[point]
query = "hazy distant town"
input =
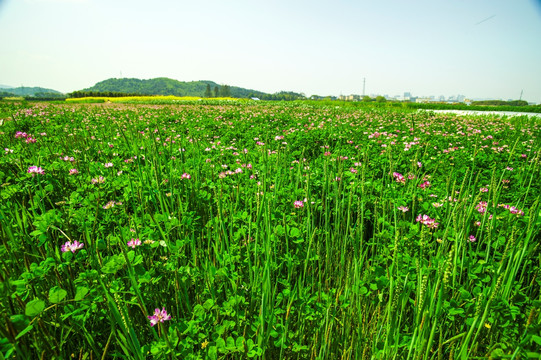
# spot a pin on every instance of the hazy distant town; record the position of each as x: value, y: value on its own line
x: 409, y: 97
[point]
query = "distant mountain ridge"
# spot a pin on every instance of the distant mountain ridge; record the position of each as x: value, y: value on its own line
x: 29, y: 91
x: 166, y: 86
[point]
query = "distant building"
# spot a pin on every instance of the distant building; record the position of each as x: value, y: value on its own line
x: 349, y: 97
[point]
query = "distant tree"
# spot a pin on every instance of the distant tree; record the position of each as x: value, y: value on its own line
x: 216, y: 91
x: 367, y: 98
x: 225, y: 91
x: 380, y: 99
x: 208, y: 92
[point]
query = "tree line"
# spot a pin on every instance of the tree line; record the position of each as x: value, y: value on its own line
x: 82, y: 94
x: 218, y: 91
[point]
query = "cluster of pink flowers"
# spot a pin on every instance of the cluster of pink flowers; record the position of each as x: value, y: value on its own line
x: 399, y: 178
x: 223, y: 174
x: 28, y: 137
x: 426, y: 220
x: 36, y: 170
x: 108, y: 165
x: 424, y: 185
x: 20, y: 134
x: 512, y: 209
x: 99, y: 180
x: 403, y: 208
x: 74, y: 171
x: 159, y: 317
x: 111, y: 204
x: 68, y: 158
x: 73, y: 247
x: 186, y: 176
x: 472, y: 238
x: 298, y: 204
x: 134, y: 242
x: 481, y: 207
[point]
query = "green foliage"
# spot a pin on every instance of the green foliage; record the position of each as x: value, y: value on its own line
x: 501, y: 102
x: 275, y: 230
x: 165, y: 86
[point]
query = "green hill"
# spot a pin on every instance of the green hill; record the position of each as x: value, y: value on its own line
x: 32, y: 91
x: 166, y: 86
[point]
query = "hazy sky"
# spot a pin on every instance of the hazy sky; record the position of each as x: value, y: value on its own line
x: 479, y: 48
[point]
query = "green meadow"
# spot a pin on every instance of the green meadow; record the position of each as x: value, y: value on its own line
x: 261, y: 230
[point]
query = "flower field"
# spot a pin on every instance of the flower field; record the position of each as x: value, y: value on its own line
x: 235, y: 230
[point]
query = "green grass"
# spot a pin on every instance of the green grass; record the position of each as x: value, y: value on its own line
x: 210, y: 190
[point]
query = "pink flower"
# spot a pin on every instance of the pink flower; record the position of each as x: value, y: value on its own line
x: 403, y: 208
x: 35, y: 170
x: 482, y: 207
x: 186, y: 176
x: 514, y: 210
x: 99, y: 180
x: 399, y: 178
x: 109, y: 205
x: 298, y: 204
x: 159, y: 317
x: 483, y: 189
x: 426, y: 220
x: 108, y: 165
x: 68, y: 246
x: 74, y: 171
x: 134, y: 242
x: 472, y: 238
x: 424, y: 185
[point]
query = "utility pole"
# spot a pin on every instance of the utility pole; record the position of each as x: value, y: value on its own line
x: 364, y: 85
x: 521, y: 92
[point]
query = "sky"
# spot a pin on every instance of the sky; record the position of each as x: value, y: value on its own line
x: 477, y: 48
